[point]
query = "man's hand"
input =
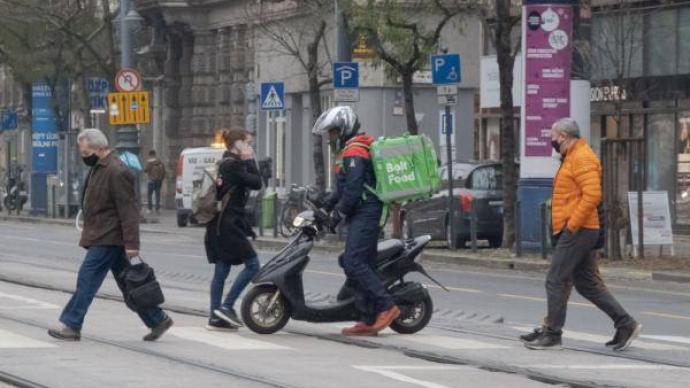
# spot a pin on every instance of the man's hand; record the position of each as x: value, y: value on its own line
x: 334, y: 219
x: 132, y: 253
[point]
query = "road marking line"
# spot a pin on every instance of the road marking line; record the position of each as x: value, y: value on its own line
x: 601, y: 339
x: 536, y: 299
x: 41, y: 240
x: 662, y: 315
x: 34, y: 303
x: 604, y: 367
x: 454, y: 343
x: 229, y: 341
x: 9, y: 340
x: 668, y: 338
x: 390, y: 373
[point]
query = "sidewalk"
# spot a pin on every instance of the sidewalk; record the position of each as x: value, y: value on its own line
x: 676, y: 269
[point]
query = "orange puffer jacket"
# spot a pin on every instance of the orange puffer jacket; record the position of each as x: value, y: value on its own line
x: 577, y: 190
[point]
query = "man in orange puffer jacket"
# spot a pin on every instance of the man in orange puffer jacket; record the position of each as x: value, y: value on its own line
x: 575, y: 222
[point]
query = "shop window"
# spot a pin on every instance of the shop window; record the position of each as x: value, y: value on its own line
x: 617, y: 45
x: 684, y: 41
x: 683, y: 170
x: 660, y: 145
x: 660, y: 42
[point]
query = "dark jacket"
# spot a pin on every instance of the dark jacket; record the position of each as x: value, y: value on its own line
x: 155, y: 169
x: 109, y: 206
x: 227, y: 238
x: 354, y: 171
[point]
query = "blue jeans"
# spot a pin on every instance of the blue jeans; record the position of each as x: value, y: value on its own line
x: 155, y: 192
x: 220, y: 274
x: 98, y: 261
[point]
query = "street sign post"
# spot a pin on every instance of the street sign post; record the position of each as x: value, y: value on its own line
x: 127, y: 80
x: 446, y: 74
x: 9, y: 120
x: 129, y: 108
x: 272, y: 96
x: 346, y: 81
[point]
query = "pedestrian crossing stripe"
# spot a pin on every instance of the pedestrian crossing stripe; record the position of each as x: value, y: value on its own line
x: 272, y: 100
x: 453, y: 343
x: 10, y: 340
x: 228, y: 341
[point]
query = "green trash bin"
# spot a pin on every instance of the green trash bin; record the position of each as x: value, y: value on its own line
x: 267, y: 210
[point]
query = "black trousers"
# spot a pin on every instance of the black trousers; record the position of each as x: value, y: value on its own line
x: 574, y: 263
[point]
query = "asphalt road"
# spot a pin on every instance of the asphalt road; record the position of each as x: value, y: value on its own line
x: 482, y: 305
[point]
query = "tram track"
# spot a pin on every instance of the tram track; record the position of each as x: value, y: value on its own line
x: 430, y: 356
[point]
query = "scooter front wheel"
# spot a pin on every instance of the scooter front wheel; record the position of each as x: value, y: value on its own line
x: 414, y: 316
x: 265, y: 310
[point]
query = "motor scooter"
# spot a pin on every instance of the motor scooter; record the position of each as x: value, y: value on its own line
x: 278, y: 292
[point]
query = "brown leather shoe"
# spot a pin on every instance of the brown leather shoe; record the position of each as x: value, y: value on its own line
x: 386, y: 318
x: 360, y: 329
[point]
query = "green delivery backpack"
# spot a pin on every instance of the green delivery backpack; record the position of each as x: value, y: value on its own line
x: 405, y: 168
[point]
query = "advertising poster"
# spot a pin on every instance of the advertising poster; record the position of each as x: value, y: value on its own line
x: 548, y: 38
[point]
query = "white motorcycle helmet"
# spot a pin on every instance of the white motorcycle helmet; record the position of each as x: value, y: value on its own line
x: 342, y: 118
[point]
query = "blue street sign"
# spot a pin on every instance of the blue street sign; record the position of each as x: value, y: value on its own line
x: 445, y: 69
x: 98, y: 89
x: 346, y: 75
x: 272, y: 96
x: 9, y: 120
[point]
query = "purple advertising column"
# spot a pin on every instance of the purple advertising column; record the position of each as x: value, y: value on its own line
x: 547, y: 29
x: 548, y: 61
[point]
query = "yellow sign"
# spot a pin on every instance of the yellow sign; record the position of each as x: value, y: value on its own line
x: 129, y: 108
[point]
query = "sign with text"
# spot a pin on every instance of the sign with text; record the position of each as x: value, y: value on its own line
x: 44, y: 129
x: 98, y: 89
x: 656, y: 218
x: 548, y: 60
x: 346, y: 81
x: 129, y: 108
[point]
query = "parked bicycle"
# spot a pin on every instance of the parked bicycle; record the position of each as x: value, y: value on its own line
x: 297, y: 200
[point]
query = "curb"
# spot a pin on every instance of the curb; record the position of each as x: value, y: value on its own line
x: 671, y: 277
x: 69, y: 223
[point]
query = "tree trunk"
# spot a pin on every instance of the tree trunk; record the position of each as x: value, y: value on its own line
x: 315, y: 101
x: 408, y: 95
x: 506, y: 60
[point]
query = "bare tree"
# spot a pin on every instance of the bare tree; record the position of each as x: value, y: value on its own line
x: 403, y: 35
x: 298, y: 28
x: 500, y: 19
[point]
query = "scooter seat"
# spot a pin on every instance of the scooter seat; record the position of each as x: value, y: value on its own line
x: 387, y: 249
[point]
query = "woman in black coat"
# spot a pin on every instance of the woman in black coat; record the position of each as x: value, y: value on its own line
x: 227, y: 237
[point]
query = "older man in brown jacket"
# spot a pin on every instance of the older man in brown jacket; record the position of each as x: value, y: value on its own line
x: 110, y: 235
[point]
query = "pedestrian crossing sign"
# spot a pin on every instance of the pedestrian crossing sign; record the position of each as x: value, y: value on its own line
x: 129, y: 108
x: 272, y: 96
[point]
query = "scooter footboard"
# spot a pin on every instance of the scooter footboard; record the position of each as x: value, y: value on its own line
x: 409, y: 292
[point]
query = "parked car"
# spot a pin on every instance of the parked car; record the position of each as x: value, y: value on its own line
x: 474, y: 183
x: 190, y: 167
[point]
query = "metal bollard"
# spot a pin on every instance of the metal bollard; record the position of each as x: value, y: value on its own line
x: 54, y: 210
x: 275, y: 214
x: 261, y: 214
x: 518, y: 227
x: 473, y: 226
x: 542, y: 232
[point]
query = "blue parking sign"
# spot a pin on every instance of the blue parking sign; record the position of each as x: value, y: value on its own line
x: 445, y: 69
x: 346, y: 75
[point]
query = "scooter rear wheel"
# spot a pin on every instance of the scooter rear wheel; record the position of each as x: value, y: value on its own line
x: 414, y: 317
x: 257, y: 315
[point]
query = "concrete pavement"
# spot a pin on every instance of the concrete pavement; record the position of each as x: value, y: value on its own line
x: 475, y: 325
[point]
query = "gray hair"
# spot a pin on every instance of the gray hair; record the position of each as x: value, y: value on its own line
x: 94, y: 138
x: 567, y: 126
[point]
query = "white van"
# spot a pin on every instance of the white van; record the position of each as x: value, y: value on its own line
x: 190, y: 168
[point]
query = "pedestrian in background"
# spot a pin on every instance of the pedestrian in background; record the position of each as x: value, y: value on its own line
x: 575, y: 224
x: 155, y: 170
x: 227, y: 237
x: 110, y: 235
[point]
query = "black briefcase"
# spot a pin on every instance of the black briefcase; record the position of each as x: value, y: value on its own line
x: 141, y: 289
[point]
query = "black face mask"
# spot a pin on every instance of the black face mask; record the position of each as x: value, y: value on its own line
x: 90, y: 160
x: 556, y: 146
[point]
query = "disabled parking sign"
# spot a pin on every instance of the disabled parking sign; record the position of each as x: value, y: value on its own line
x: 445, y: 69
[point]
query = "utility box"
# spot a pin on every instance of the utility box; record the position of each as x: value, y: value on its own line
x: 53, y: 196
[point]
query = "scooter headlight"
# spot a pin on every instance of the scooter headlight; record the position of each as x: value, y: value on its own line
x: 298, y: 222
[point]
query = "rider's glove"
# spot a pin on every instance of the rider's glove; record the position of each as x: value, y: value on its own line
x: 334, y: 219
